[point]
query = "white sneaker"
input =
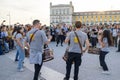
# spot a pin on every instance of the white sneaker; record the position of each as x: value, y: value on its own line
x: 106, y: 72
x: 100, y: 67
x: 21, y: 70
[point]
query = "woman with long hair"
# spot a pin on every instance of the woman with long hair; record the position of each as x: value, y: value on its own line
x: 105, y: 42
x: 14, y: 34
x: 20, y: 48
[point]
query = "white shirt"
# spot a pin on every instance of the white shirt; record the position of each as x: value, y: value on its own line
x: 114, y: 32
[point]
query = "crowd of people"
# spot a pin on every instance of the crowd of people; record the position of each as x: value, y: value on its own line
x: 31, y: 39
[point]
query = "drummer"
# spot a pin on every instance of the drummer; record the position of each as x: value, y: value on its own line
x: 36, y: 39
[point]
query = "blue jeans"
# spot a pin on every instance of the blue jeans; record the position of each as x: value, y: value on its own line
x: 6, y: 45
x: 17, y: 54
x: 21, y: 56
x: 1, y: 51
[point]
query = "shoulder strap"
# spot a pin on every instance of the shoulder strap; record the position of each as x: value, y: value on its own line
x: 15, y: 35
x: 80, y: 45
x: 32, y: 36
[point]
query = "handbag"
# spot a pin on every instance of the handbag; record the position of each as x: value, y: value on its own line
x: 94, y: 50
x: 47, y: 54
x: 65, y: 57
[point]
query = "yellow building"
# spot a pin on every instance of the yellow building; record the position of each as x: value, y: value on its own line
x: 97, y: 17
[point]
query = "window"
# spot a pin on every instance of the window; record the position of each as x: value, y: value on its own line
x: 53, y: 11
x: 60, y: 11
x: 64, y: 11
x: 67, y: 11
x: 85, y: 13
x: 83, y: 17
x: 94, y: 13
x: 81, y: 13
x: 86, y: 16
x: 107, y: 12
x: 110, y: 18
x: 67, y: 17
x: 105, y: 19
x: 113, y: 12
x: 56, y: 11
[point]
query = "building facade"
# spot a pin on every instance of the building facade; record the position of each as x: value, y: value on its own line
x: 61, y: 14
x: 97, y: 17
x: 64, y: 14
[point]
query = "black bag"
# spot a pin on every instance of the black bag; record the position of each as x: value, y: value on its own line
x: 65, y: 57
x: 47, y: 55
x: 94, y: 50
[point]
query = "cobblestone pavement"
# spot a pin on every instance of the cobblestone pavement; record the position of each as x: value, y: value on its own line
x: 55, y: 69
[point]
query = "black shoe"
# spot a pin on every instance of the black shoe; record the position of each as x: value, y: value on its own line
x: 117, y: 51
x: 57, y: 45
x: 62, y: 45
x: 16, y: 60
x: 6, y: 51
x: 65, y: 78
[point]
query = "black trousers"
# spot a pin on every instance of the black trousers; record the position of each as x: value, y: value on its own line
x: 115, y: 41
x: 60, y: 38
x: 102, y: 60
x: 76, y: 59
x: 37, y: 68
x: 93, y: 41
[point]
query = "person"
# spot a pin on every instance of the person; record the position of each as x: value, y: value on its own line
x: 94, y: 37
x: 59, y: 36
x: 13, y: 37
x: 1, y: 41
x: 74, y: 52
x: 114, y: 34
x: 106, y: 41
x: 5, y: 38
x: 99, y: 35
x: 20, y: 48
x: 118, y: 42
x: 36, y: 46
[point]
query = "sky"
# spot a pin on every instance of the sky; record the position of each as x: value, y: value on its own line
x: 25, y: 11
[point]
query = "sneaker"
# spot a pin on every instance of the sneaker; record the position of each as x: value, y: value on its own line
x: 106, y: 72
x: 100, y: 67
x: 41, y: 78
x: 21, y: 70
x: 39, y: 74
